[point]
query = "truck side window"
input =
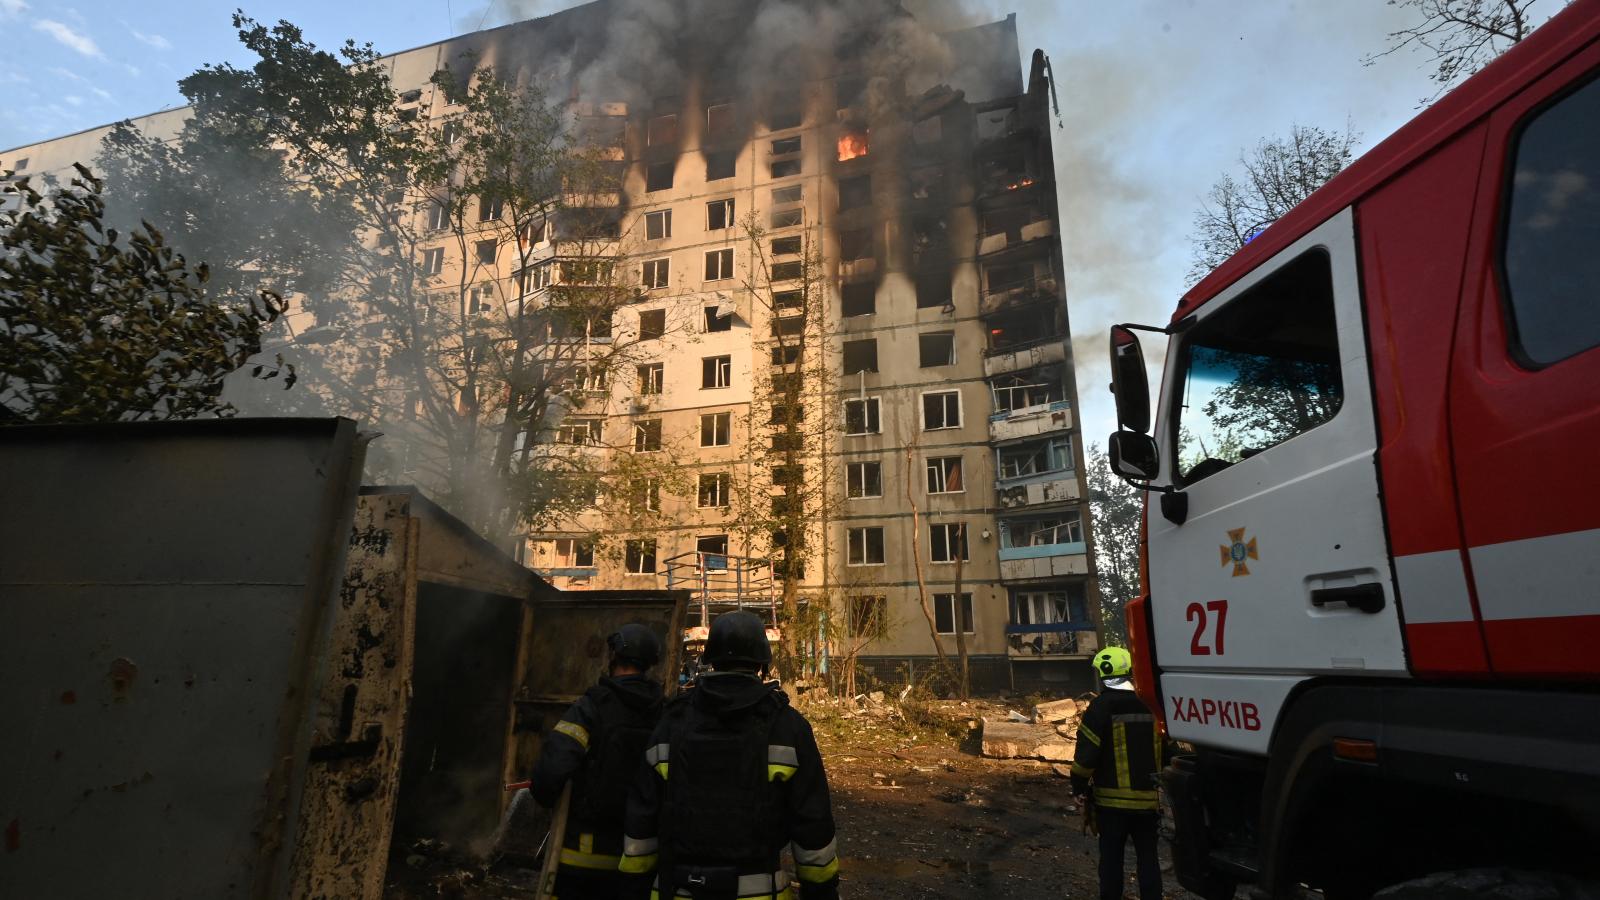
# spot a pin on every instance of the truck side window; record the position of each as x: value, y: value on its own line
x: 1551, y: 264
x: 1261, y: 370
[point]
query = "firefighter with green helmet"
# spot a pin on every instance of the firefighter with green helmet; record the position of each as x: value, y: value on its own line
x: 733, y: 778
x: 1120, y: 751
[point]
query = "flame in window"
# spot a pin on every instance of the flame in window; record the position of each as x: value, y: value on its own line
x: 1022, y: 182
x: 852, y: 145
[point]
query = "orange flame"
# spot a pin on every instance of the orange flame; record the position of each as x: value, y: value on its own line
x: 852, y: 146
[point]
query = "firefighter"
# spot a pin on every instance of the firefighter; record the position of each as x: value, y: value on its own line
x: 734, y: 776
x: 597, y: 746
x: 1120, y: 751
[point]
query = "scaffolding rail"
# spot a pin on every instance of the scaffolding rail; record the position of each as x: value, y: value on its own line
x: 719, y: 583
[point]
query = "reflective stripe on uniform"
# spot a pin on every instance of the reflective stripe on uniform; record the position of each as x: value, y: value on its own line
x: 637, y: 865
x: 656, y: 757
x: 586, y: 842
x: 782, y: 762
x: 1124, y: 804
x: 632, y: 846
x: 581, y: 860
x: 575, y: 731
x: 785, y: 894
x: 1119, y: 740
x: 1082, y: 771
x: 816, y: 866
x: 1124, y: 794
x: 1083, y: 731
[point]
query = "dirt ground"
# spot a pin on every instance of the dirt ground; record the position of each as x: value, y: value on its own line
x: 921, y: 814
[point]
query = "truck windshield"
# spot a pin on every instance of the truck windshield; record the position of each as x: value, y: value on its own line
x: 1261, y: 370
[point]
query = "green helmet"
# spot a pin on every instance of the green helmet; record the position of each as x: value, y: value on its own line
x: 1113, y: 662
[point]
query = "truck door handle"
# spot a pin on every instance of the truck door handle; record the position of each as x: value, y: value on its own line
x: 1366, y: 597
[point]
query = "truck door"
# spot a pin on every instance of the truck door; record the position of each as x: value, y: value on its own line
x: 1280, y: 570
x: 1525, y: 421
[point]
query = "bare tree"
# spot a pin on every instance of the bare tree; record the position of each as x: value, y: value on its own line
x: 1462, y: 36
x: 1278, y: 174
x: 911, y: 447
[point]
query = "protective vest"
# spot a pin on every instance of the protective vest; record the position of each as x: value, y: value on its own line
x: 721, y: 806
x: 1121, y: 750
x: 616, y: 745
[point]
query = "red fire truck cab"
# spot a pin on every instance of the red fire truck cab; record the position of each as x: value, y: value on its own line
x: 1372, y: 544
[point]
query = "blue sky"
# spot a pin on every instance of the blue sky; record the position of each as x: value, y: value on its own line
x: 1158, y: 98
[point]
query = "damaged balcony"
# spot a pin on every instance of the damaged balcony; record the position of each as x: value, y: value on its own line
x: 1036, y: 473
x: 1043, y: 547
x: 1012, y: 228
x: 1016, y: 285
x: 1051, y: 620
x: 1024, y: 338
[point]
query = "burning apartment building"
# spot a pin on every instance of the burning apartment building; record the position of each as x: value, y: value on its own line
x: 846, y: 326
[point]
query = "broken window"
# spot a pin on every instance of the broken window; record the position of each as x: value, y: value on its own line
x: 1006, y: 278
x: 433, y: 261
x: 639, y: 557
x: 661, y: 131
x: 790, y: 194
x: 718, y: 320
x: 714, y: 490
x: 719, y: 264
x: 719, y: 120
x: 411, y: 96
x: 847, y: 91
x: 1006, y: 221
x: 860, y: 356
x: 785, y: 168
x: 937, y: 348
x: 647, y: 436
x: 657, y: 273
x: 785, y: 146
x: 658, y: 225
x: 439, y: 215
x: 1042, y: 532
x: 786, y: 355
x: 947, y: 541
x: 651, y: 378
x: 789, y: 327
x: 788, y: 300
x: 786, y: 246
x: 853, y: 144
x: 579, y: 432
x: 788, y: 218
x: 572, y: 553
x: 716, y: 429
x: 1051, y: 607
x: 928, y: 239
x: 944, y: 615
x: 933, y: 290
x: 927, y: 182
x: 716, y: 372
x: 652, y: 324
x: 1025, y: 390
x: 452, y: 132
x: 1021, y: 460
x: 719, y: 214
x: 855, y: 244
x: 863, y: 480
x: 858, y: 298
x: 944, y: 475
x: 861, y: 416
x: 869, y: 617
x: 855, y: 192
x: 721, y: 165
x: 490, y: 209
x: 713, y: 552
x: 658, y: 176
x: 941, y: 409
x: 786, y: 112
x: 645, y: 496
x: 788, y: 271
x: 866, y: 546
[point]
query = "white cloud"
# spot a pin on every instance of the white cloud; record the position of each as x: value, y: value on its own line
x: 73, y: 99
x: 78, y: 41
x: 9, y: 8
x: 154, y: 40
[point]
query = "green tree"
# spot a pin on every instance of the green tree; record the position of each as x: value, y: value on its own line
x: 97, y: 328
x: 1118, y: 510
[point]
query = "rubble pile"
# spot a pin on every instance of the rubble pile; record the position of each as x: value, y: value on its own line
x: 1049, y: 733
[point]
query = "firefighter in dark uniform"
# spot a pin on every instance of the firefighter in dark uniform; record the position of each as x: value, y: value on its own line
x: 597, y: 746
x: 1120, y: 751
x: 734, y: 776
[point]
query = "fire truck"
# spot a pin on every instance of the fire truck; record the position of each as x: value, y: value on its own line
x: 1371, y: 607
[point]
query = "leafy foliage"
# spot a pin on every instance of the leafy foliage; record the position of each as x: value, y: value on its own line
x: 1118, y: 509
x: 1277, y: 175
x: 94, y: 328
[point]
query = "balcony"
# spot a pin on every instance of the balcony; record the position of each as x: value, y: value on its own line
x: 1043, y: 561
x: 1031, y: 422
x: 1000, y: 241
x: 1057, y: 639
x: 1054, y: 487
x: 1015, y: 294
x: 1005, y: 360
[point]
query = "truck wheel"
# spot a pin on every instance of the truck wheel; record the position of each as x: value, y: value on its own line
x: 1487, y: 884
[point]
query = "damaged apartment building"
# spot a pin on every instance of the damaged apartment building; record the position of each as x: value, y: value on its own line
x: 906, y: 171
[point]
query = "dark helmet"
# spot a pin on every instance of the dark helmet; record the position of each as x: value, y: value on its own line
x: 737, y: 640
x: 636, y: 644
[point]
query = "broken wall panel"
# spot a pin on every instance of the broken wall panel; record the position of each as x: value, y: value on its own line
x: 361, y: 712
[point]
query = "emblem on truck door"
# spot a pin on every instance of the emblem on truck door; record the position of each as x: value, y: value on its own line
x: 1237, y: 550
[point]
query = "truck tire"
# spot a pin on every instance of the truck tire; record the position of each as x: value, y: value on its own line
x: 1487, y: 884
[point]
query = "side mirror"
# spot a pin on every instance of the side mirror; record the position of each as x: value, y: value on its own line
x: 1128, y: 381
x: 1134, y: 455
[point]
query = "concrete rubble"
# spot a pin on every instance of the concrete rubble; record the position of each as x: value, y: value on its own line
x: 1049, y: 734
